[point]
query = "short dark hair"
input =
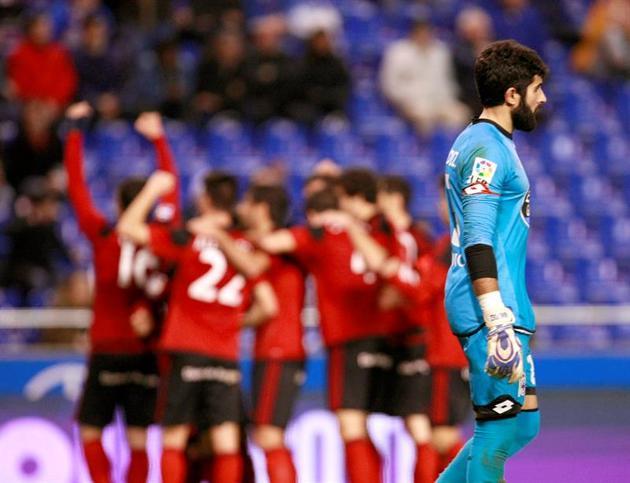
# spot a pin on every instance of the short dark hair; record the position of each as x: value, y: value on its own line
x: 276, y: 198
x: 396, y: 184
x: 328, y: 180
x: 322, y: 200
x: 359, y: 182
x: 128, y: 189
x: 506, y: 64
x: 222, y: 189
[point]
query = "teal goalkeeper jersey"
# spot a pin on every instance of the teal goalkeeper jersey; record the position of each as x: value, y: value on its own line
x: 488, y: 200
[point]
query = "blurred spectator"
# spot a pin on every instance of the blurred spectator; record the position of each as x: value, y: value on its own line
x: 101, y: 71
x: 325, y: 80
x: 306, y: 19
x: 69, y: 18
x: 473, y: 29
x: 521, y: 21
x: 7, y: 194
x: 217, y: 14
x: 604, y: 50
x: 36, y: 149
x: 164, y: 80
x: 40, y: 69
x: 417, y: 78
x: 271, y: 73
x: 36, y: 255
x: 221, y: 81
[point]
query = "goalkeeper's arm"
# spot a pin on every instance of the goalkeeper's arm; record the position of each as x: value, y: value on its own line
x: 505, y: 356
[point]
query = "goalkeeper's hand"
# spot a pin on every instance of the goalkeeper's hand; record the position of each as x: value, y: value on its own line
x: 505, y: 354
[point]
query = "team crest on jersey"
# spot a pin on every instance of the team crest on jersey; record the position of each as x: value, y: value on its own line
x: 525, y: 209
x: 483, y: 171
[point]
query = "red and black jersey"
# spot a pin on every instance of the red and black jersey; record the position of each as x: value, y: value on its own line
x: 281, y: 337
x: 423, y: 284
x: 207, y: 294
x: 347, y: 292
x: 123, y: 271
x: 406, y: 317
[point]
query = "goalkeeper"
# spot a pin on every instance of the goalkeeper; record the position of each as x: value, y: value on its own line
x: 485, y: 297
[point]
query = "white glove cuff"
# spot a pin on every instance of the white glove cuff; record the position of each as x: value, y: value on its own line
x: 491, y: 305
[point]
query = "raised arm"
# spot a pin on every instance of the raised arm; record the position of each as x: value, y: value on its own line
x: 150, y: 125
x: 133, y: 222
x: 90, y: 219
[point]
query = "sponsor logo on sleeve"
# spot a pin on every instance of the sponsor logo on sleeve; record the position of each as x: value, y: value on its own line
x: 478, y: 188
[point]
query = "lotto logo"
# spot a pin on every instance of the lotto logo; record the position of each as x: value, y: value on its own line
x: 503, y: 407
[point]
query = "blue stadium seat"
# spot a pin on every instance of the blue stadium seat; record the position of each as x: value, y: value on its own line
x: 547, y: 283
x: 362, y: 24
x: 334, y: 139
x: 226, y: 139
x: 615, y: 235
x: 594, y: 195
x: 600, y: 282
x: 281, y: 138
x: 182, y: 140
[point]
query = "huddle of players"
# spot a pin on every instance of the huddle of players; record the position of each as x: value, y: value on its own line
x: 171, y: 298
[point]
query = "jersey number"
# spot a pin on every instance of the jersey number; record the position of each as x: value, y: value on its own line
x: 358, y: 266
x: 205, y: 287
x: 138, y: 267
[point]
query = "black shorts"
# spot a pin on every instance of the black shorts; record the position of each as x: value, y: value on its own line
x: 450, y: 396
x: 129, y: 382
x: 276, y: 387
x: 408, y: 384
x: 201, y: 391
x: 355, y: 370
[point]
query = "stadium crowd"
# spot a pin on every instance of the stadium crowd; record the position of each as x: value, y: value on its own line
x: 214, y: 256
x: 252, y: 61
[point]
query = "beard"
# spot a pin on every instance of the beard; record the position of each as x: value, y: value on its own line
x: 523, y: 118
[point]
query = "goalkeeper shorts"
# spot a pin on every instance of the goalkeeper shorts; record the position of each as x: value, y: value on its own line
x: 495, y: 398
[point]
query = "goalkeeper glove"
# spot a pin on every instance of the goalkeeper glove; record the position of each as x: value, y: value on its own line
x: 505, y: 354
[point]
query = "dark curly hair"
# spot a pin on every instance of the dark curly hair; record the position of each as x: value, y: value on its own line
x: 506, y: 64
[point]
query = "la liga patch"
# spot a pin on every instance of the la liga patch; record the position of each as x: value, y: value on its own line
x: 483, y: 170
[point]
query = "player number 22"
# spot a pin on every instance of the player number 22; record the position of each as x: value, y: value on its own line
x: 205, y: 287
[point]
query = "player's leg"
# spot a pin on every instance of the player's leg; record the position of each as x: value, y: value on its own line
x: 95, y: 457
x: 222, y: 414
x: 276, y: 387
x: 227, y: 460
x: 95, y: 411
x: 173, y: 463
x: 450, y: 406
x: 411, y: 399
x: 177, y: 411
x: 419, y: 428
x: 498, y: 432
x: 529, y: 417
x: 139, y: 461
x: 350, y: 375
x: 139, y: 402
